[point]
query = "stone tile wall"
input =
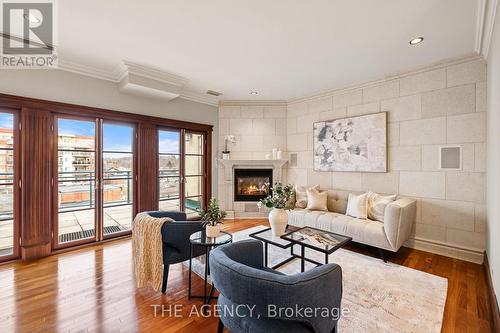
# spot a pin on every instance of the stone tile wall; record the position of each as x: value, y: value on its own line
x: 441, y: 105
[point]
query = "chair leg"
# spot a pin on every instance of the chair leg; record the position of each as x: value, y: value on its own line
x: 220, y: 327
x: 165, y: 278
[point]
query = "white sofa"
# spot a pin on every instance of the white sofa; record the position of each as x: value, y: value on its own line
x: 390, y: 235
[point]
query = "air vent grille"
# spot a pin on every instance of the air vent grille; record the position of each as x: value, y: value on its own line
x: 213, y: 93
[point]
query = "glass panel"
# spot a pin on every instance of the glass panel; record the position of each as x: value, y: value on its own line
x: 76, y: 195
x: 194, y: 186
x: 76, y: 225
x: 6, y: 165
x: 169, y: 188
x: 117, y: 162
x: 193, y: 206
x: 117, y: 191
x: 169, y: 165
x: 6, y: 132
x: 168, y: 205
x: 117, y: 137
x: 194, y: 143
x: 117, y: 165
x: 169, y: 142
x: 117, y: 219
x: 76, y: 134
x: 76, y: 165
x: 6, y: 220
x: 194, y: 165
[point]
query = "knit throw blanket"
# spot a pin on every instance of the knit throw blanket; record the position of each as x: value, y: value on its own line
x: 147, y: 250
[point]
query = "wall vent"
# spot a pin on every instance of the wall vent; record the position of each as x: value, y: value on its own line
x: 213, y: 93
x: 450, y: 157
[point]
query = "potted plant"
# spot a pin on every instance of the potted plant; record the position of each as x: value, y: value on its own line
x: 227, y: 139
x: 212, y: 218
x: 278, y: 201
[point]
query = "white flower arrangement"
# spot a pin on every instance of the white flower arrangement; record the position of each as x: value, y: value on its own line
x: 228, y: 139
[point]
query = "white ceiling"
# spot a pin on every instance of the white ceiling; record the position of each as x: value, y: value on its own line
x: 281, y: 48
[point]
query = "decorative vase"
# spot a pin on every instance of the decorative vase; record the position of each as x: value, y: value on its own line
x: 225, y: 155
x: 212, y: 230
x: 278, y: 219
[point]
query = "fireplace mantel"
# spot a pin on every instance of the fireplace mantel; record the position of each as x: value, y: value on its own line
x: 274, y: 163
x: 226, y: 185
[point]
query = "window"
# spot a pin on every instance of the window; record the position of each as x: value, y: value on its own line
x: 181, y: 175
x: 118, y: 161
x: 7, y: 186
x: 169, y: 177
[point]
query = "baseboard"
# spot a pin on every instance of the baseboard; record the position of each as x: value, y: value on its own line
x: 495, y: 313
x: 462, y: 253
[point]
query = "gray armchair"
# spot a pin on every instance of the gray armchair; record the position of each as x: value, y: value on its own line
x: 238, y: 272
x: 175, y: 236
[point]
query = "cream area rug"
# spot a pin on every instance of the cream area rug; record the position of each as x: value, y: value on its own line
x: 380, y: 297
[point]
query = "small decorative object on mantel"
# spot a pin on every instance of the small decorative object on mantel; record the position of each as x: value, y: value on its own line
x: 212, y: 218
x: 279, y: 155
x: 226, y: 152
x: 268, y: 156
x: 278, y: 201
x: 275, y: 153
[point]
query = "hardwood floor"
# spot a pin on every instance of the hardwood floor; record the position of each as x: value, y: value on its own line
x: 92, y: 290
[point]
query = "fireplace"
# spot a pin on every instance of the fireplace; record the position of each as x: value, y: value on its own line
x: 252, y: 184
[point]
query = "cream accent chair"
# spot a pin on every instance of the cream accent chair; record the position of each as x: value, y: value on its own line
x: 390, y: 235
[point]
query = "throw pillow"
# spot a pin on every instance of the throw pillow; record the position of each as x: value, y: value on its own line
x: 301, y: 195
x: 316, y: 200
x: 377, y: 204
x: 357, y: 205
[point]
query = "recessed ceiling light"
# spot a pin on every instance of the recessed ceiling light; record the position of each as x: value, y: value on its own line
x: 32, y: 18
x: 253, y: 93
x: 416, y: 41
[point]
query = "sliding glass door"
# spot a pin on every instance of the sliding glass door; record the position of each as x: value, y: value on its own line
x: 181, y: 170
x: 8, y: 185
x: 94, y: 180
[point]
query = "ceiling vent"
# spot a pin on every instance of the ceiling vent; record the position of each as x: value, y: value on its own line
x: 148, y: 81
x: 214, y: 93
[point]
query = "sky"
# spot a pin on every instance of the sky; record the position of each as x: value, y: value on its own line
x: 116, y: 137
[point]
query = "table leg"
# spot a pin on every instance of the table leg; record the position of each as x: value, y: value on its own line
x: 326, y: 258
x: 265, y: 254
x: 302, y: 258
x: 206, y: 272
x: 190, y: 268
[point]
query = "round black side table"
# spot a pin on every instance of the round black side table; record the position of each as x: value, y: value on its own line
x: 200, y: 239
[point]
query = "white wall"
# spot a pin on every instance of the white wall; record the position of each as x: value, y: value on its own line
x: 439, y: 105
x: 56, y: 85
x: 493, y: 153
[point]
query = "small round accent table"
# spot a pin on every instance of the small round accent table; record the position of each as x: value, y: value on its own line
x: 200, y: 239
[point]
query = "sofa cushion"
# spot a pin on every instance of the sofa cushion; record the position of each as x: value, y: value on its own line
x: 377, y: 204
x: 357, y: 205
x: 362, y: 231
x: 337, y: 200
x: 301, y: 195
x: 316, y: 200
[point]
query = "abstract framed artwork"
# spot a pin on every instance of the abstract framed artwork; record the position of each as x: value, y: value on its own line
x: 351, y: 144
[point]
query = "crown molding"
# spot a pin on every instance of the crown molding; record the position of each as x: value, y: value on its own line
x: 394, y: 76
x: 119, y: 73
x: 127, y: 67
x: 252, y: 103
x: 485, y: 25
